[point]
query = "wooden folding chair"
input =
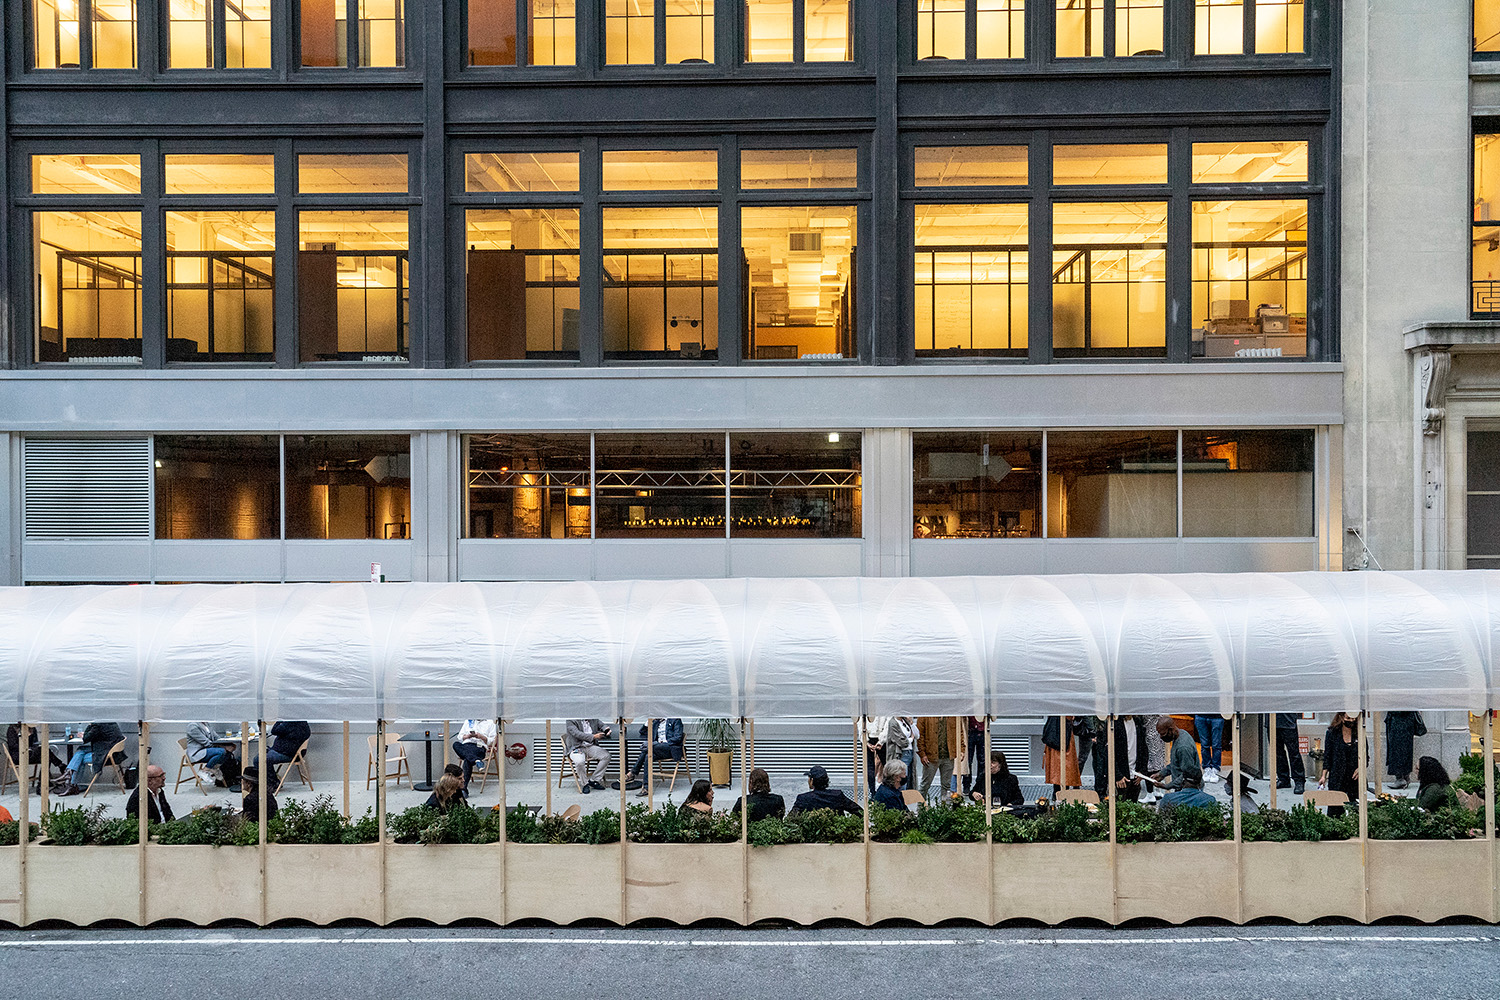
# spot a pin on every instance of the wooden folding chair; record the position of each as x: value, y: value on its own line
x: 12, y: 773
x: 299, y: 761
x: 186, y: 765
x: 486, y: 765
x: 1323, y: 798
x: 1087, y: 796
x: 912, y: 797
x: 562, y: 772
x: 573, y: 811
x: 112, y: 759
x: 403, y: 767
x: 680, y: 764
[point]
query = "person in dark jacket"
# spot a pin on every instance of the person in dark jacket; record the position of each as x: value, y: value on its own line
x: 1401, y: 732
x: 763, y: 804
x: 98, y: 739
x: 820, y: 796
x: 250, y: 807
x: 286, y: 739
x: 33, y: 750
x: 448, y: 794
x: 888, y: 792
x: 1341, y: 759
x: 1005, y: 789
x: 1290, y: 772
x: 158, y: 809
x: 1433, y: 791
x: 667, y: 742
x: 1130, y: 756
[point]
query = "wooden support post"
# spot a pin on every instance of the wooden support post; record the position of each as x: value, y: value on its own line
x: 548, y: 782
x: 650, y: 773
x: 1234, y: 793
x: 262, y: 791
x: 1364, y: 819
x: 1114, y: 843
x: 143, y: 810
x: 1489, y: 800
x: 1275, y: 759
x: 346, y: 770
x: 989, y: 818
x: 863, y: 754
x: 46, y: 747
x: 446, y: 748
x: 502, y: 760
x: 24, y: 829
x: 620, y: 737
x: 380, y: 752
x: 744, y: 829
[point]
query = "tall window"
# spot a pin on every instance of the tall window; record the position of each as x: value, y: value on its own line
x: 798, y: 30
x: 374, y: 31
x: 61, y: 41
x: 1109, y: 268
x: 348, y: 487
x: 971, y: 280
x: 1250, y: 278
x: 999, y: 29
x: 220, y: 288
x: 1219, y: 28
x: 1279, y: 26
x: 88, y: 280
x: 522, y: 283
x: 1084, y: 27
x: 661, y: 283
x: 800, y: 266
x: 1487, y: 26
x: 1482, y: 516
x: 523, y: 32
x: 1486, y: 227
x: 658, y: 32
x: 225, y: 34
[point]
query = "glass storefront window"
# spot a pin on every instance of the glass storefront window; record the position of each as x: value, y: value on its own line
x: 971, y: 166
x: 353, y: 286
x: 1219, y: 27
x: 971, y: 280
x: 352, y: 173
x: 660, y: 485
x: 799, y: 263
x: 348, y: 487
x: 1274, y: 162
x: 794, y: 485
x: 218, y: 487
x: 528, y: 486
x: 1139, y: 163
x: 798, y: 169
x: 1487, y: 25
x: 1112, y: 484
x: 1109, y: 264
x: 88, y: 281
x: 219, y: 173
x: 1247, y: 484
x: 522, y: 284
x: 1485, y: 242
x: 86, y: 173
x: 660, y: 169
x: 535, y: 172
x: 977, y: 484
x: 220, y: 288
x: 380, y: 29
x: 56, y: 31
x: 1250, y: 279
x: 661, y: 283
x: 1278, y: 26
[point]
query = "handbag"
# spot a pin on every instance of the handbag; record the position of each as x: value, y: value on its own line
x: 1420, y: 729
x: 1050, y: 733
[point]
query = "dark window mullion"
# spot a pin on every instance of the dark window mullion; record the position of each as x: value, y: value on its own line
x: 1039, y: 246
x: 799, y: 31
x: 659, y: 9
x: 153, y: 286
x: 523, y: 32
x: 971, y: 30
x: 85, y: 34
x: 351, y: 34
x: 1109, y: 29
x: 1248, y: 44
x: 220, y: 40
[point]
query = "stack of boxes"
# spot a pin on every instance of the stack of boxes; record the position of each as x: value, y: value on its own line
x: 1231, y: 331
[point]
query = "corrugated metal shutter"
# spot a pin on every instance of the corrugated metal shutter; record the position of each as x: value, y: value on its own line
x: 87, y: 487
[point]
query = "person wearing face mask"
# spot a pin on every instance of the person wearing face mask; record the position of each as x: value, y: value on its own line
x: 1341, y: 759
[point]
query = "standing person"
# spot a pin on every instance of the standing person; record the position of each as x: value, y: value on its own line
x: 1401, y: 732
x: 581, y: 739
x: 763, y: 803
x: 1130, y: 758
x: 1341, y: 759
x: 876, y: 727
x: 942, y: 742
x: 472, y: 744
x: 1182, y: 768
x: 1290, y: 772
x: 1059, y: 756
x: 972, y: 773
x: 1211, y: 741
x: 202, y: 751
x: 158, y: 809
x: 901, y: 743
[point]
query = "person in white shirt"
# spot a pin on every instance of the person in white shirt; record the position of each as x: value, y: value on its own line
x: 476, y: 737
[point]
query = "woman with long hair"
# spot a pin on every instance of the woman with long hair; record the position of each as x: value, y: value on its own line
x: 700, y: 797
x: 1341, y: 753
x: 1433, y: 791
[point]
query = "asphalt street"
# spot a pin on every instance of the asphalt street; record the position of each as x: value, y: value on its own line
x: 1326, y: 962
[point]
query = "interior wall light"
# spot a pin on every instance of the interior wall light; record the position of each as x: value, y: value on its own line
x: 833, y: 437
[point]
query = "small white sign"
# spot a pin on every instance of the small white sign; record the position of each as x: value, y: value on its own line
x: 376, y: 576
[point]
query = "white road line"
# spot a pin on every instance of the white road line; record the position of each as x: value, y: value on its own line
x: 1092, y: 942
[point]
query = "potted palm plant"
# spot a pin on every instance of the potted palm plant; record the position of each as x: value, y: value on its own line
x: 721, y: 737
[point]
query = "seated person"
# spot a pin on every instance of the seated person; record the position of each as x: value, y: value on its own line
x: 98, y: 739
x: 448, y: 794
x: 1182, y: 756
x: 158, y: 809
x: 1433, y: 792
x: 250, y: 806
x: 581, y: 740
x: 286, y: 739
x: 888, y: 792
x: 667, y: 739
x: 473, y: 743
x: 1005, y: 789
x: 33, y: 750
x: 700, y: 797
x: 820, y: 796
x: 458, y: 773
x: 763, y: 804
x: 202, y: 752
x: 1190, y: 794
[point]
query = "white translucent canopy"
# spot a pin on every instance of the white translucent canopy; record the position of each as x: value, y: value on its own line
x: 763, y: 648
